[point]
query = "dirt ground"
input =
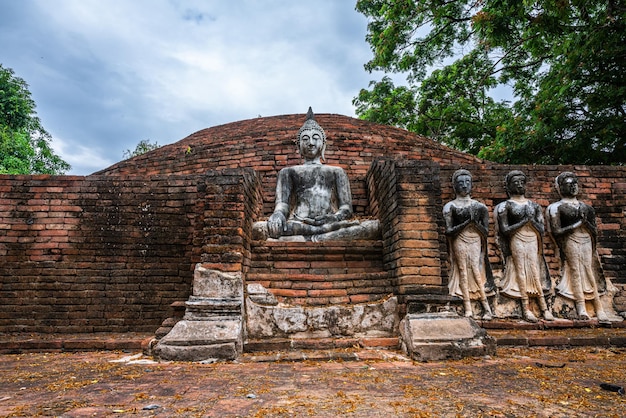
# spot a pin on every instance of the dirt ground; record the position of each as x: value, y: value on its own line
x: 517, y: 382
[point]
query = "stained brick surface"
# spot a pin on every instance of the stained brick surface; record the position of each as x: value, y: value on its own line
x: 321, y: 273
x: 88, y: 254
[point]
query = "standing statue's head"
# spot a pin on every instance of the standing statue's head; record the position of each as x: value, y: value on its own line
x: 567, y: 184
x: 462, y: 182
x: 515, y: 183
x: 311, y: 138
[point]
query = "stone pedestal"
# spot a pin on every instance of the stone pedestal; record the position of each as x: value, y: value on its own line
x: 443, y: 336
x: 566, y: 308
x: 268, y: 319
x: 560, y: 306
x: 213, y: 323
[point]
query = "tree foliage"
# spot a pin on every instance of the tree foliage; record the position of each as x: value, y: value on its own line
x: 564, y: 60
x: 142, y: 147
x: 24, y: 143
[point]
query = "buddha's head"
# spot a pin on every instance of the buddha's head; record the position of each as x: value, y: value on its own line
x: 311, y: 138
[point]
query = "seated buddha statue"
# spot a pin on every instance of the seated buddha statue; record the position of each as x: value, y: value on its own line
x: 313, y: 200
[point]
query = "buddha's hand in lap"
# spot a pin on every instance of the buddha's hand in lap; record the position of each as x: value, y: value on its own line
x: 319, y: 220
x: 276, y: 225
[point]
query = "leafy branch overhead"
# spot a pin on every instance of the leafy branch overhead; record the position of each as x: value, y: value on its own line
x: 24, y: 143
x: 563, y: 61
x: 142, y: 147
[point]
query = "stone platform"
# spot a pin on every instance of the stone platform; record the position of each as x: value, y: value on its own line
x: 506, y: 333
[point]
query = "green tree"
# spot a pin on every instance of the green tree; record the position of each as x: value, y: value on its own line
x: 564, y: 60
x: 142, y: 147
x: 24, y: 143
x: 387, y: 104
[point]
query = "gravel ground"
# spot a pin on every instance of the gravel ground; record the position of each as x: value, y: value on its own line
x: 518, y: 382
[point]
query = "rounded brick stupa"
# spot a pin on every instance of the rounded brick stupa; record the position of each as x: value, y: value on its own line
x: 267, y: 144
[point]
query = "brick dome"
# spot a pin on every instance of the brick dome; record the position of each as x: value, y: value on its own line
x: 267, y: 145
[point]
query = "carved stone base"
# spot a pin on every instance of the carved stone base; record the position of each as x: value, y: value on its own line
x: 265, y: 318
x: 566, y: 308
x: 506, y: 307
x: 443, y: 336
x: 561, y: 307
x: 213, y: 323
x: 201, y: 340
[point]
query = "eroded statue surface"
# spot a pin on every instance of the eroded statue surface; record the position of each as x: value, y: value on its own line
x: 467, y: 222
x: 314, y: 200
x: 520, y: 228
x: 573, y: 227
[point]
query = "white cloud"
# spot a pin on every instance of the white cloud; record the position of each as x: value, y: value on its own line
x: 82, y: 158
x: 106, y: 75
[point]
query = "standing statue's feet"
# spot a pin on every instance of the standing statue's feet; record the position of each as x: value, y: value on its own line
x: 468, y: 309
x: 487, y: 315
x: 529, y: 316
x: 547, y: 315
x: 583, y: 315
x: 602, y: 316
x: 582, y: 311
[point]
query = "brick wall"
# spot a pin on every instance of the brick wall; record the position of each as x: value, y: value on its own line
x: 406, y: 196
x: 89, y: 254
x: 228, y: 203
x: 320, y: 273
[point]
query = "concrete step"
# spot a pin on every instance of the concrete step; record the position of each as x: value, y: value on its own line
x: 390, y: 343
x: 506, y: 335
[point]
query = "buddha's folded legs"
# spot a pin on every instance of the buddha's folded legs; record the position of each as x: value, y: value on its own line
x: 342, y: 230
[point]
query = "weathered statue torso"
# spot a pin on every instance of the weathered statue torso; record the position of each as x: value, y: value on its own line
x: 570, y: 213
x: 318, y: 191
x: 520, y: 211
x: 462, y: 214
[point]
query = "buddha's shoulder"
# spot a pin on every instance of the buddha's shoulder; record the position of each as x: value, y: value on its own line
x: 322, y: 168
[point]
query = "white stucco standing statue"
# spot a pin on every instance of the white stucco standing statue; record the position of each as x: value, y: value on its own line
x: 573, y: 227
x: 519, y: 230
x: 467, y: 222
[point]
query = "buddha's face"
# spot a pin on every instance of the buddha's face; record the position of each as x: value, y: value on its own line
x: 517, y: 186
x: 569, y: 187
x: 311, y: 143
x: 463, y: 185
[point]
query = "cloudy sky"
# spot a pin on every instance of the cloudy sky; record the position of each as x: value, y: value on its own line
x: 107, y: 74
